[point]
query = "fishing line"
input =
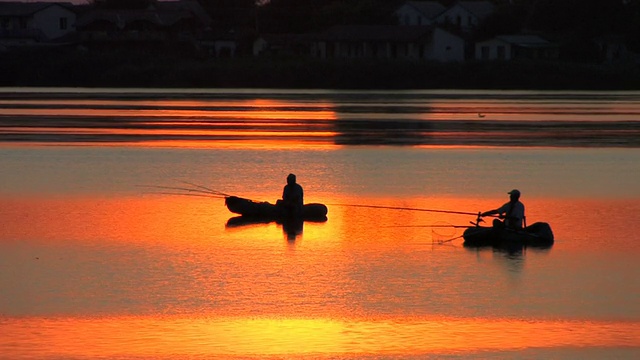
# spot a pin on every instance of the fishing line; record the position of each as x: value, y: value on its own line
x: 408, y: 208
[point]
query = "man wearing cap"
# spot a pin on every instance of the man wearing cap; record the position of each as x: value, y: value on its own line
x: 512, y: 212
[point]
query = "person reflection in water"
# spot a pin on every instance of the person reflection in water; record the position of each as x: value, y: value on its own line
x: 292, y: 197
x: 512, y: 212
x: 292, y: 228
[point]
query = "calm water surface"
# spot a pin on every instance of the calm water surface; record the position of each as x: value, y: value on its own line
x: 95, y: 262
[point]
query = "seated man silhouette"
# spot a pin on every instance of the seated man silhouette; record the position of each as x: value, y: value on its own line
x: 292, y: 197
x: 512, y: 212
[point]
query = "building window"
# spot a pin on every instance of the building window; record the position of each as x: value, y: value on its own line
x: 63, y: 23
x: 501, y: 53
x: 485, y: 52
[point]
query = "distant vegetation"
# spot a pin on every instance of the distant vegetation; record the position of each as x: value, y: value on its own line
x: 572, y: 23
x: 167, y: 66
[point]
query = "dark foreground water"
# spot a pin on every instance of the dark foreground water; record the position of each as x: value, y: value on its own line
x: 96, y: 262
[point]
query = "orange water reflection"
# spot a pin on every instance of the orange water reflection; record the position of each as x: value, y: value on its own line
x: 224, y: 121
x: 168, y: 218
x: 251, y: 109
x: 203, y: 336
x: 322, y: 315
x: 255, y: 123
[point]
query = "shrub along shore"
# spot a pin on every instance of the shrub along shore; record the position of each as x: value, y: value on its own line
x: 174, y: 67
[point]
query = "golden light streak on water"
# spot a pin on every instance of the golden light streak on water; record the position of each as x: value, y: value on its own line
x: 255, y: 109
x: 166, y: 336
x: 171, y: 132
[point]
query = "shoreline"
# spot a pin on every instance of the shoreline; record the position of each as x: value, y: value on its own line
x: 169, y: 67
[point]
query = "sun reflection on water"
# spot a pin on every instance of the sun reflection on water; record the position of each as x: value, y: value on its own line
x: 166, y: 337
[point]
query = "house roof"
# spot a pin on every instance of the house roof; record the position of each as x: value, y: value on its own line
x: 17, y: 9
x: 429, y: 9
x: 375, y: 32
x: 480, y: 9
x: 190, y: 6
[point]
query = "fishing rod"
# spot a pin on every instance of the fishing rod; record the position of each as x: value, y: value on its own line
x: 428, y: 226
x: 180, y: 194
x: 207, y: 189
x: 188, y: 190
x: 408, y: 208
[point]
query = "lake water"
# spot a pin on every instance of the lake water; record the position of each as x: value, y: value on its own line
x: 100, y: 257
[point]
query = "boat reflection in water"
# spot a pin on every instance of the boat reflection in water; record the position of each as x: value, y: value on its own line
x: 292, y: 227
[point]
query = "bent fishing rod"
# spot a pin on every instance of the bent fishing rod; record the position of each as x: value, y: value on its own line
x: 412, y: 209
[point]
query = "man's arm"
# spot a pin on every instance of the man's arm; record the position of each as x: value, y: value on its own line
x: 490, y: 212
x: 499, y: 211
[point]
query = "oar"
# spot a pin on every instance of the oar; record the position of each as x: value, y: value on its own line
x: 449, y: 240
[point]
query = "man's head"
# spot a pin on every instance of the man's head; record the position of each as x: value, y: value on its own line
x: 514, y: 194
x: 291, y: 179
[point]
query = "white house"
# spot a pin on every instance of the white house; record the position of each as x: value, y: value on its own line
x: 466, y: 15
x: 388, y: 42
x: 509, y: 47
x: 445, y: 46
x: 418, y: 12
x: 35, y: 22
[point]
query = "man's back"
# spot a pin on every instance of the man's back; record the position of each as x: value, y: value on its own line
x: 514, y: 214
x: 293, y: 194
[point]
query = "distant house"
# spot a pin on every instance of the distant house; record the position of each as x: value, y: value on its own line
x: 163, y: 20
x: 220, y: 44
x: 419, y: 12
x: 281, y: 44
x: 465, y: 15
x: 613, y: 49
x: 32, y: 23
x: 388, y: 42
x: 509, y: 47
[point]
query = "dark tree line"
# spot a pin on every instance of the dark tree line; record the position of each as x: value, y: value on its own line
x: 122, y: 4
x: 572, y: 23
x: 296, y: 16
x: 549, y: 15
x: 588, y: 17
x: 568, y: 21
